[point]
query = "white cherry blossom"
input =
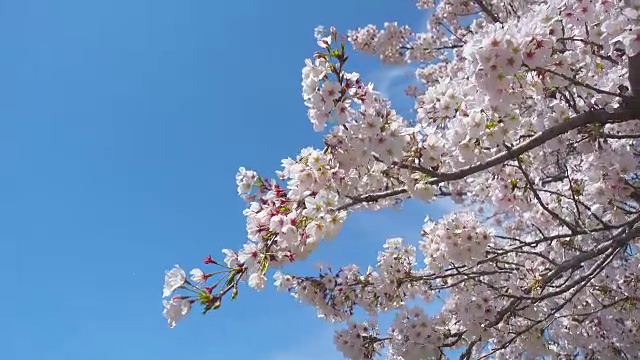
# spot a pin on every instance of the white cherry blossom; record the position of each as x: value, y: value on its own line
x: 173, y: 279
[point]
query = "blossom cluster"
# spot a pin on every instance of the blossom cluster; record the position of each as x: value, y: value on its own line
x: 457, y: 238
x: 379, y: 288
x: 414, y: 336
x: 358, y: 341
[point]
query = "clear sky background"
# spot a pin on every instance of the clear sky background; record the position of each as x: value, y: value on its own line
x: 122, y: 125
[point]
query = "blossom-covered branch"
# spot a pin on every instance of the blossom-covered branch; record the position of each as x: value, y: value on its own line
x: 527, y: 115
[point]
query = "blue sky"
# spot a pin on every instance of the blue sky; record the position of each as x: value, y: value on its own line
x: 122, y: 126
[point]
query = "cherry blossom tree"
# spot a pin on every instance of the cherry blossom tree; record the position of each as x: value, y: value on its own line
x: 527, y: 114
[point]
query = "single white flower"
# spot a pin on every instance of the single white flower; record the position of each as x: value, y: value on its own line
x: 198, y: 275
x: 175, y: 310
x: 257, y: 281
x: 230, y: 258
x: 173, y: 279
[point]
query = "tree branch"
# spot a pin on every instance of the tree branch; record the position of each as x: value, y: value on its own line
x: 485, y: 9
x: 599, y: 116
x: 634, y: 79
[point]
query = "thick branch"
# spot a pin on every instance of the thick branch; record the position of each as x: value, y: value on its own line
x: 485, y: 9
x: 599, y: 116
x: 619, y: 239
x: 634, y: 78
